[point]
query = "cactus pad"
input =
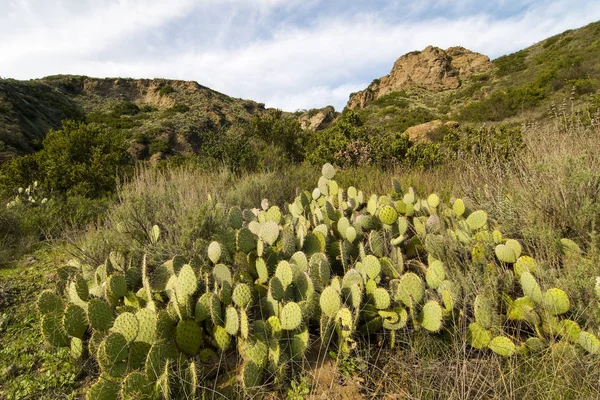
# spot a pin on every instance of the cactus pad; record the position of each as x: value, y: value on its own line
x: 484, y: 311
x: 409, y: 290
x: 100, y: 315
x: 435, y: 274
x: 388, y: 215
x: 214, y: 252
x: 291, y: 316
x: 232, y: 320
x: 431, y: 316
x: 188, y: 337
x: 53, y: 331
x: 269, y: 232
x: 530, y: 287
x: 502, y: 346
x: 505, y: 254
x: 330, y: 301
x: 381, y: 298
x: 104, y: 389
x: 116, y: 286
x: 477, y: 220
x: 479, y: 337
x: 49, y: 303
x: 242, y: 295
x: 555, y: 301
x: 245, y: 240
x: 75, y: 321
x: 221, y: 337
x: 127, y: 325
x: 136, y: 386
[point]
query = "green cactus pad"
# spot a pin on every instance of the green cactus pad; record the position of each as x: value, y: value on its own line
x: 520, y: 309
x: 136, y: 386
x: 505, y: 254
x: 431, y: 316
x: 535, y: 344
x: 376, y: 243
x: 202, y: 310
x: 76, y: 348
x: 477, y: 220
x: 147, y: 321
x: 555, y: 301
x: 116, y: 286
x: 269, y: 232
x: 188, y: 337
x: 435, y: 274
x: 530, y: 287
x: 515, y: 246
x: 138, y: 351
x: 484, y: 312
x: 330, y: 301
x: 221, y: 337
x: 570, y: 330
x: 388, y: 215
x: 569, y: 247
x: 95, y: 341
x: 372, y: 266
x: 221, y: 273
x: 49, y: 303
x: 127, y: 325
x: 285, y: 274
x: 433, y: 200
x: 459, y: 207
x: 262, y: 270
x: 409, y: 290
x: 381, y: 298
x: 242, y: 296
x: 100, y: 315
x: 502, y: 346
x: 232, y: 320
x: 328, y: 171
x: 159, y: 354
x: 53, y: 331
x: 291, y: 316
x: 216, y: 310
x: 115, y: 347
x: 525, y: 263
x: 235, y: 217
x: 251, y: 375
x: 245, y: 240
x: 479, y: 337
x: 104, y: 389
x: 344, y: 322
x: 589, y: 342
x: 214, y: 252
x: 314, y: 243
x: 75, y: 321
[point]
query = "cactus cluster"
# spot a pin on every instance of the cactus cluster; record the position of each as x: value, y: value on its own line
x: 332, y: 268
x: 28, y: 196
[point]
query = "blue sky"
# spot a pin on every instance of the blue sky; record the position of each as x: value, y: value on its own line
x: 289, y: 54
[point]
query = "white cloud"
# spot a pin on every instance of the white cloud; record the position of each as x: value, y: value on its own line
x: 293, y: 67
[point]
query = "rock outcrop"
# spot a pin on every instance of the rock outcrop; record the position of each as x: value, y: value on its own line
x: 318, y: 119
x: 432, y: 69
x: 428, y: 131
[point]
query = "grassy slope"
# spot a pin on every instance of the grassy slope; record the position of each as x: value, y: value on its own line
x: 525, y: 84
x: 171, y: 111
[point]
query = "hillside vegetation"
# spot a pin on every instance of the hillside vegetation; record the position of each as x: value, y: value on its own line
x: 165, y: 241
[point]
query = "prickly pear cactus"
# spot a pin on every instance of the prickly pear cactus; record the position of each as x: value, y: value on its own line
x: 331, y: 269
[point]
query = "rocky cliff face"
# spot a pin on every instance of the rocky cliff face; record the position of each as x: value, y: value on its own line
x: 317, y: 119
x: 432, y: 69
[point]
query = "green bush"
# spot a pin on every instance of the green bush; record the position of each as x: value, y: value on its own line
x: 79, y: 159
x: 165, y: 90
x: 158, y: 146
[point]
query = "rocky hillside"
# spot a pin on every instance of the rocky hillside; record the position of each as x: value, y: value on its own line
x: 432, y: 69
x: 151, y: 110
